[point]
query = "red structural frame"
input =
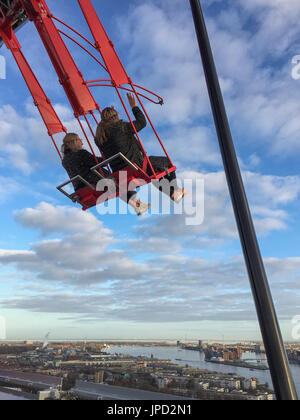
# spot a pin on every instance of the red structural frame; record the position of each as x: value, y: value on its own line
x: 77, y: 89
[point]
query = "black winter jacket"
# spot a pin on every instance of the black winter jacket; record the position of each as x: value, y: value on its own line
x: 80, y: 163
x: 121, y: 138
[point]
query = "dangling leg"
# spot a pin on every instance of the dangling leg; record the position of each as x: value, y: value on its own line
x: 133, y: 201
x: 168, y: 185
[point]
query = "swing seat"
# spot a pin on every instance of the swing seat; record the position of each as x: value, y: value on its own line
x: 90, y: 196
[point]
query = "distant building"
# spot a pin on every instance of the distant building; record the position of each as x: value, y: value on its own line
x: 255, y: 398
x: 51, y: 393
x: 261, y: 397
x: 248, y: 384
x: 233, y: 355
x: 239, y: 353
x: 99, y: 377
x: 161, y: 383
x: 203, y: 385
x: 86, y: 390
x: 269, y: 397
x: 259, y: 348
x: 234, y: 384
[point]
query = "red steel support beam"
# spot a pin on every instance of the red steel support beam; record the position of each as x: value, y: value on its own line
x: 70, y: 77
x: 104, y: 44
x: 43, y: 103
x: 76, y: 88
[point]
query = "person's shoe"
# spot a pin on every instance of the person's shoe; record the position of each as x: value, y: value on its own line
x: 141, y: 208
x: 179, y: 195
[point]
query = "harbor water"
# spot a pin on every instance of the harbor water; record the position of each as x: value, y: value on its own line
x: 196, y: 359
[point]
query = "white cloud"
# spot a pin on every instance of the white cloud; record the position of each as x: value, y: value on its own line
x: 274, y: 190
x: 206, y: 291
x: 161, y: 51
x: 171, y: 283
x: 49, y: 219
x: 20, y: 134
x: 268, y: 197
x: 263, y: 97
x: 25, y: 144
x: 79, y: 253
x: 8, y: 188
x: 19, y: 158
x: 155, y: 245
x: 13, y: 256
x: 250, y: 40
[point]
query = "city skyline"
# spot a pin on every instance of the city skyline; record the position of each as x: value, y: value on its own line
x: 85, y: 274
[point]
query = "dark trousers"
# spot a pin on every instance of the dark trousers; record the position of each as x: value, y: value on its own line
x: 161, y: 164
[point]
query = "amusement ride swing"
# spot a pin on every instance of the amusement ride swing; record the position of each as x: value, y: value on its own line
x: 13, y: 14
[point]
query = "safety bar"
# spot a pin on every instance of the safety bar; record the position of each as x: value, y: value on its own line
x: 76, y: 178
x: 107, y: 161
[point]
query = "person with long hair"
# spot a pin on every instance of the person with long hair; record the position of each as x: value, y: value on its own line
x: 114, y: 136
x: 78, y: 161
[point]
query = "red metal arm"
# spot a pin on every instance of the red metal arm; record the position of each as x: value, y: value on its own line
x: 43, y: 103
x: 76, y: 88
x: 104, y: 44
x: 70, y: 77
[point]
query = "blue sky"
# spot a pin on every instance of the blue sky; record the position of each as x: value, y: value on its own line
x: 85, y: 275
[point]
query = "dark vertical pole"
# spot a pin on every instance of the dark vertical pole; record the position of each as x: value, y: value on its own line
x: 277, y: 358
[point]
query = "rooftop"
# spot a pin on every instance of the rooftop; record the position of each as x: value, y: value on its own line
x: 108, y: 392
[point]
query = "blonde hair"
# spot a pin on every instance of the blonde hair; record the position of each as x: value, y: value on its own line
x: 69, y: 143
x: 109, y: 116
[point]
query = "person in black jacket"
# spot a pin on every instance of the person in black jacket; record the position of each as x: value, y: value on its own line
x: 78, y: 161
x: 114, y: 136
